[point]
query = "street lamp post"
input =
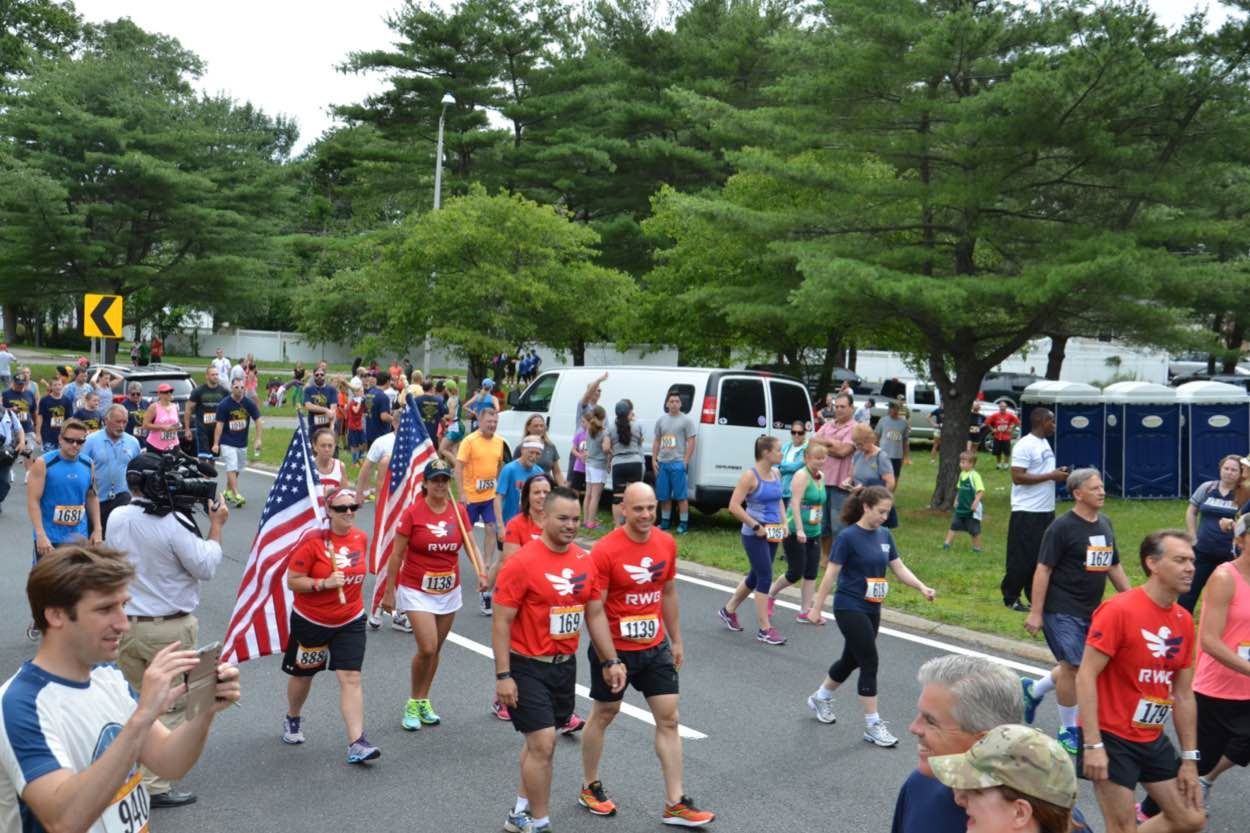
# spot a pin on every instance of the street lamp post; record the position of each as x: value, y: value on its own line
x: 448, y: 100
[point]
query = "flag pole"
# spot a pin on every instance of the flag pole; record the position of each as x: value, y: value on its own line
x: 470, y: 545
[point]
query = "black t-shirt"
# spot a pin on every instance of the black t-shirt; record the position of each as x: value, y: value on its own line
x: 135, y: 412
x: 1080, y: 554
x: 204, y: 401
x: 53, y: 411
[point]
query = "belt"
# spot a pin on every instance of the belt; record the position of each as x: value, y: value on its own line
x: 555, y: 659
x: 167, y: 617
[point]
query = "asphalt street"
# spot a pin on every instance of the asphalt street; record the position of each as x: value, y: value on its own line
x: 753, y: 752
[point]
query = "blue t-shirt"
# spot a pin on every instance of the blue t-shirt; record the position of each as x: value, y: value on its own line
x: 63, y: 505
x: 234, y: 418
x: 377, y: 403
x: 511, y: 478
x: 432, y: 409
x: 324, y: 396
x: 1213, y: 506
x: 52, y: 413
x: 863, y: 554
x: 21, y: 402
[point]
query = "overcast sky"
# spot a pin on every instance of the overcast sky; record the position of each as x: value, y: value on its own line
x: 281, y: 54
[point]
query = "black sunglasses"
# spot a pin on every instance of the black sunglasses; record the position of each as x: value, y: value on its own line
x: 345, y: 507
x: 798, y: 433
x: 74, y: 440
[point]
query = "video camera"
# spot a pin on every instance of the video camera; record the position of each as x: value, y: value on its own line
x: 174, y: 481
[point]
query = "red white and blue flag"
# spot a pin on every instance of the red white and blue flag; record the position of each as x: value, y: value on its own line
x: 294, y: 511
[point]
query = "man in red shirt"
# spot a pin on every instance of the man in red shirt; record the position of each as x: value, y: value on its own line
x: 1003, y: 423
x: 539, y: 605
x: 637, y: 568
x: 1137, y: 669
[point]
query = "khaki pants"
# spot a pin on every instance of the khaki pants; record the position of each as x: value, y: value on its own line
x: 138, y: 647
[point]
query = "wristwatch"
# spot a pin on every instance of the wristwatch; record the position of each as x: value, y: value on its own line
x: 757, y: 527
x: 1088, y: 746
x: 608, y: 663
x: 503, y: 675
x: 1191, y: 755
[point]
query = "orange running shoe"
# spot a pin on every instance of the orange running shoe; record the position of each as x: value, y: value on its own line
x: 596, y: 800
x: 685, y: 814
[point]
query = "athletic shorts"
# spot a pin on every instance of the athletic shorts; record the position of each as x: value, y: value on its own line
x: 236, y: 458
x: 577, y: 481
x: 622, y: 475
x: 1223, y: 731
x: 546, y: 692
x: 483, y: 510
x: 355, y: 437
x: 414, y: 600
x: 970, y: 525
x: 1065, y: 636
x: 670, y: 482
x: 595, y: 475
x: 651, y: 672
x: 1002, y: 448
x: 312, y: 648
x: 1130, y: 763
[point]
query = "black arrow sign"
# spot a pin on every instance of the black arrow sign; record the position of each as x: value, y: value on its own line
x: 101, y: 309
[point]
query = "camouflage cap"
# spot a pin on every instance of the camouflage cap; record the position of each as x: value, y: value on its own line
x: 1013, y: 756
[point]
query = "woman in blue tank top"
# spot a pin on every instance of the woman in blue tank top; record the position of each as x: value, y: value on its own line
x: 756, y: 502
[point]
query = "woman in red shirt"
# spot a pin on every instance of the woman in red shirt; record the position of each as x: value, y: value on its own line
x: 423, y: 581
x: 327, y: 574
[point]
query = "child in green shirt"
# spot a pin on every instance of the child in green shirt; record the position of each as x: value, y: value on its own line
x: 968, y: 495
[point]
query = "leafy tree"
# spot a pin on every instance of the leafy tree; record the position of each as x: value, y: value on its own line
x: 34, y: 30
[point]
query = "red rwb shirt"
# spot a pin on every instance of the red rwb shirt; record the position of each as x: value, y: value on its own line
x: 521, y: 530
x: 1003, y: 424
x: 549, y: 591
x: 312, y: 559
x: 632, y: 578
x: 432, y: 560
x: 1148, y: 645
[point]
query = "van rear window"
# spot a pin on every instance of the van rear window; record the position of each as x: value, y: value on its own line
x: 790, y: 404
x: 537, y: 397
x: 686, y: 392
x: 925, y: 396
x: 741, y: 402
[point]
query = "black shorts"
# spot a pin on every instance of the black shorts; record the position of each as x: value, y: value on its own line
x: 1223, y: 731
x: 311, y: 648
x: 622, y: 475
x: 1002, y: 448
x: 577, y: 481
x: 970, y: 525
x: 1130, y: 763
x: 651, y: 672
x: 545, y: 693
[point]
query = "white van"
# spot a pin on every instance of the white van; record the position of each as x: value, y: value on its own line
x: 731, y: 408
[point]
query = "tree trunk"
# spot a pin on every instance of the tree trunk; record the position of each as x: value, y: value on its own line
x: 579, y: 353
x: 10, y: 323
x: 833, y: 351
x: 852, y: 359
x: 1233, y: 340
x: 1054, y: 359
x: 957, y: 395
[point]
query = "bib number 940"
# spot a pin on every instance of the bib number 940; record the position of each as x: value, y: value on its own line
x: 566, y: 622
x: 130, y: 813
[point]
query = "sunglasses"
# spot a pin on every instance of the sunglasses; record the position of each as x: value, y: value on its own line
x: 798, y: 433
x: 74, y: 440
x: 345, y: 507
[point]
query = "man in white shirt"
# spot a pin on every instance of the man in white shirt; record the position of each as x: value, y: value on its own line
x: 170, y: 561
x: 221, y: 363
x: 7, y: 360
x: 1033, y: 479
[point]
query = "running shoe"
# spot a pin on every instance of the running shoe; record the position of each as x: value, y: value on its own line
x: 520, y: 822
x: 1030, y: 702
x: 730, y: 619
x: 412, y: 716
x: 575, y: 724
x: 879, y: 734
x: 541, y: 828
x: 822, y: 708
x: 1068, y: 740
x: 32, y: 632
x: 240, y: 501
x: 802, y: 619
x: 290, y: 730
x: 361, y: 751
x: 772, y: 606
x: 1206, y: 786
x: 426, y: 712
x: 375, y: 621
x: 483, y: 604
x: 500, y: 710
x: 399, y: 622
x: 1142, y: 818
x: 772, y: 636
x: 595, y: 799
x: 664, y: 525
x: 685, y: 814
x: 681, y: 528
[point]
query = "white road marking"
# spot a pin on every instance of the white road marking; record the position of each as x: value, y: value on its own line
x: 272, y: 474
x: 582, y: 691
x: 910, y: 637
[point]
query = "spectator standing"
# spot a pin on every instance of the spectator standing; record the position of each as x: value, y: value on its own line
x: 935, y: 422
x: 894, y: 435
x: 1209, y: 519
x: 221, y: 363
x: 863, y: 413
x: 549, y: 460
x: 7, y: 360
x: 671, y: 451
x: 1003, y: 424
x: 835, y: 436
x: 969, y: 493
x: 1033, y: 479
x: 158, y: 349
x: 871, y: 466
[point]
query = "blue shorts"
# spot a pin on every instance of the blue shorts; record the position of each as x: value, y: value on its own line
x: 483, y: 511
x: 1065, y: 635
x: 670, y: 482
x: 355, y: 437
x: 831, y: 519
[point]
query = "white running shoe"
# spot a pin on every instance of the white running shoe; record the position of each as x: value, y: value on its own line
x: 879, y: 734
x: 399, y: 622
x: 822, y: 708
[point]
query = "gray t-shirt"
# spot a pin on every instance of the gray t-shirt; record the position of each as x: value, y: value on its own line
x: 630, y: 452
x: 871, y: 470
x: 893, y: 433
x: 549, y: 457
x: 673, y: 432
x: 595, y: 455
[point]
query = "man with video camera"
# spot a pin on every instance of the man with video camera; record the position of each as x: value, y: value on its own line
x: 157, y: 533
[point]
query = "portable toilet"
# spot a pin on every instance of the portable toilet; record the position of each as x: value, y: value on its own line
x: 1143, y: 440
x: 1078, y: 409
x: 1216, y: 423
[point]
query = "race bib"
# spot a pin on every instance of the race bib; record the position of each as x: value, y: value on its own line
x: 1098, y: 559
x: 1151, y: 713
x: 209, y: 419
x: 1243, y: 651
x: 668, y: 441
x: 55, y: 422
x: 169, y: 436
x: 774, y: 532
x: 140, y: 432
x: 876, y: 591
x: 814, y: 514
x: 238, y: 425
x: 640, y: 628
x: 307, y: 659
x: 321, y: 419
x: 485, y: 485
x: 566, y: 622
x: 438, y: 583
x: 131, y: 808
x: 68, y: 515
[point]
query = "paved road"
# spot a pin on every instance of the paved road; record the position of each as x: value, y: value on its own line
x: 765, y: 763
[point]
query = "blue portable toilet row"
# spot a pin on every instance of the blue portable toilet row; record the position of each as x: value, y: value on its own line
x: 1217, y: 423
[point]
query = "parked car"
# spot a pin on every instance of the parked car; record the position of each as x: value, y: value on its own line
x: 810, y: 376
x: 731, y: 408
x: 1241, y: 378
x: 922, y: 400
x: 999, y: 385
x: 150, y: 377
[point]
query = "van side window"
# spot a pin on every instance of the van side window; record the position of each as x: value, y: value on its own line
x: 686, y: 392
x: 537, y: 397
x: 925, y: 396
x: 790, y: 404
x: 741, y: 403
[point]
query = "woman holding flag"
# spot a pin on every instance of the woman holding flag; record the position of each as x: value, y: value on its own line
x: 326, y: 574
x: 423, y: 580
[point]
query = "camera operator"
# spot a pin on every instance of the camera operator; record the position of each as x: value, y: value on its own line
x: 110, y: 452
x: 160, y: 539
x: 12, y: 444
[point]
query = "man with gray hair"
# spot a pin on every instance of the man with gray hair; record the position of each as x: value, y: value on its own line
x: 961, y: 699
x: 1077, y: 556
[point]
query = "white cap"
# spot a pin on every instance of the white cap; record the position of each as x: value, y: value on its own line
x: 356, y: 384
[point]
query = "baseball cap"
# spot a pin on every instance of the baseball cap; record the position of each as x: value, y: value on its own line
x: 356, y: 384
x: 623, y: 408
x: 1013, y: 756
x: 488, y: 383
x: 437, y: 468
x: 164, y: 387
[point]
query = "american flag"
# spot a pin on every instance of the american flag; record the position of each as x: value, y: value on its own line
x: 413, y: 449
x: 293, y: 511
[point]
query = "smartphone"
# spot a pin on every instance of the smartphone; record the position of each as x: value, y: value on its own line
x: 202, y: 681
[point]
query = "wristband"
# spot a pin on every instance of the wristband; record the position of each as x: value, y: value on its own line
x: 503, y: 675
x: 608, y: 663
x: 1191, y: 755
x: 1092, y: 745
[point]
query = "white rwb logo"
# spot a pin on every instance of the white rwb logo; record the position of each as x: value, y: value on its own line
x: 1162, y: 645
x: 645, y: 571
x: 566, y: 584
x: 341, y: 559
x: 438, y: 530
